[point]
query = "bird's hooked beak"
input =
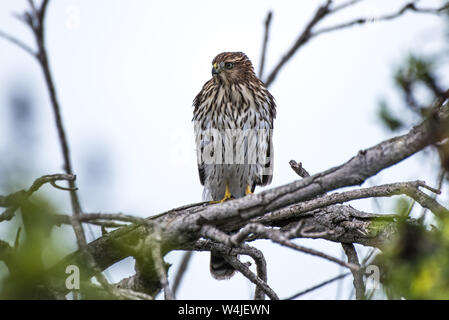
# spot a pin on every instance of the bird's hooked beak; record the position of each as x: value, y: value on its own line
x: 216, y: 69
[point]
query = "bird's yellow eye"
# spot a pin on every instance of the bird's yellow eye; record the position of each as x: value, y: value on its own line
x: 229, y: 65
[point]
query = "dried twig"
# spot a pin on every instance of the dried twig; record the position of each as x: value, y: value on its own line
x: 186, y: 257
x: 320, y: 13
x: 231, y: 251
x: 261, y: 266
x: 326, y: 10
x: 243, y: 249
x: 298, y: 168
x: 265, y: 42
x: 88, y: 257
x: 243, y: 269
x: 440, y: 179
x: 320, y: 285
x: 35, y: 21
x: 280, y: 238
x: 407, y: 7
x: 159, y: 263
x: 359, y: 284
x: 132, y: 295
x: 345, y: 5
x: 15, y: 200
x: 410, y: 189
x: 18, y: 43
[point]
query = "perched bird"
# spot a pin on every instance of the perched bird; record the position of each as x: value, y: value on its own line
x: 233, y: 121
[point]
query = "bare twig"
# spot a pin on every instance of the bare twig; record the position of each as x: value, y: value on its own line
x: 359, y: 284
x: 407, y: 7
x: 280, y: 238
x: 88, y: 257
x: 229, y: 251
x: 121, y: 293
x: 321, y: 12
x: 52, y: 178
x: 410, y: 189
x: 265, y: 42
x: 114, y: 216
x: 345, y: 5
x: 15, y: 200
x: 243, y: 249
x: 336, y: 278
x: 132, y: 295
x: 326, y: 10
x: 298, y: 168
x: 35, y: 20
x: 440, y: 179
x: 159, y: 265
x: 265, y: 233
x: 261, y: 267
x: 186, y: 257
x: 320, y: 285
x: 18, y: 43
x: 243, y: 269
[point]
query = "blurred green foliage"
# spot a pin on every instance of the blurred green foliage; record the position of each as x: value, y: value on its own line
x: 416, y: 264
x: 32, y: 252
x: 34, y: 265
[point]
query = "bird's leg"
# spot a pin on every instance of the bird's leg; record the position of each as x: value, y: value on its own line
x: 226, y: 196
x: 248, y: 190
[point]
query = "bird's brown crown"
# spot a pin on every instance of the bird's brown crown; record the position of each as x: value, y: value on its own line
x: 232, y: 67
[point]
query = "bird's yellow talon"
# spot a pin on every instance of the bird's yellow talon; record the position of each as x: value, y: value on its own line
x: 248, y: 190
x: 227, y: 196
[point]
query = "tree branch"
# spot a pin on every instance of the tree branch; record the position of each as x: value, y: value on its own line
x: 320, y: 285
x: 298, y: 168
x: 243, y: 269
x: 345, y: 224
x: 35, y: 21
x: 15, y: 200
x: 187, y: 256
x: 407, y: 7
x: 320, y: 13
x: 265, y: 42
x: 359, y: 284
x: 18, y: 43
x: 276, y: 236
x: 410, y: 189
x: 326, y: 10
x: 244, y: 249
x: 160, y: 268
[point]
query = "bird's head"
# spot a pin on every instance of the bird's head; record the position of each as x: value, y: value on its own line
x: 232, y: 67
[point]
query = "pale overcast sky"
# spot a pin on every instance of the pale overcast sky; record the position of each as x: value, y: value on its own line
x: 126, y: 73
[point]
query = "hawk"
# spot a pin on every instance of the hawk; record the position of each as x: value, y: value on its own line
x: 233, y: 121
